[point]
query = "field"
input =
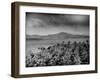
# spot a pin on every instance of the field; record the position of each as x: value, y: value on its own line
x: 71, y: 51
x: 34, y: 44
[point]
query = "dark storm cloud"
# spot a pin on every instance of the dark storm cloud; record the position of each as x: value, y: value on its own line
x: 43, y: 23
x: 58, y: 20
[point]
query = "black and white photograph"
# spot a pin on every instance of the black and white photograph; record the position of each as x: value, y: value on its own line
x: 57, y: 39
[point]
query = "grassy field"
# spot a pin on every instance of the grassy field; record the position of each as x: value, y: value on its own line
x: 34, y: 44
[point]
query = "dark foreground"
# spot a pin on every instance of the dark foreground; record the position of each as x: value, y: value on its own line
x: 69, y: 53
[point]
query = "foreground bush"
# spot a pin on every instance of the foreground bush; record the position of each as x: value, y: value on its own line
x: 75, y: 53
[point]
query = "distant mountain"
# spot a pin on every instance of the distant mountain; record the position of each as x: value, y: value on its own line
x: 61, y: 35
x: 34, y: 37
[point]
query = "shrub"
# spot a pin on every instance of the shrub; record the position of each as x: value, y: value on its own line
x: 75, y: 53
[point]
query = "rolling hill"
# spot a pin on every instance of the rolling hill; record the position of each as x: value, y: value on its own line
x: 61, y: 35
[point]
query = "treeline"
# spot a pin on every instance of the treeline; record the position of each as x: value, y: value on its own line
x: 70, y: 53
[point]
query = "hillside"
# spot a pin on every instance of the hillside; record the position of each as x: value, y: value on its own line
x: 61, y: 35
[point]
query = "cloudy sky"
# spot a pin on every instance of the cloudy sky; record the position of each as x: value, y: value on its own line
x: 44, y: 24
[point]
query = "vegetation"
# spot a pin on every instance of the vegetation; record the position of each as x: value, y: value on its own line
x: 70, y: 53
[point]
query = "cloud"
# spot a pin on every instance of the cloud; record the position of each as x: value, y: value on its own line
x: 57, y: 20
x: 43, y: 23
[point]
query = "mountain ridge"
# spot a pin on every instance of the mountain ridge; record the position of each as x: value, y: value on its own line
x: 61, y: 35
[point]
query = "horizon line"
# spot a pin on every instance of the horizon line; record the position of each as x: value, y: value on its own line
x: 58, y: 33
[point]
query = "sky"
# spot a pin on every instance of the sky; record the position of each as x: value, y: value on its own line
x: 45, y: 23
